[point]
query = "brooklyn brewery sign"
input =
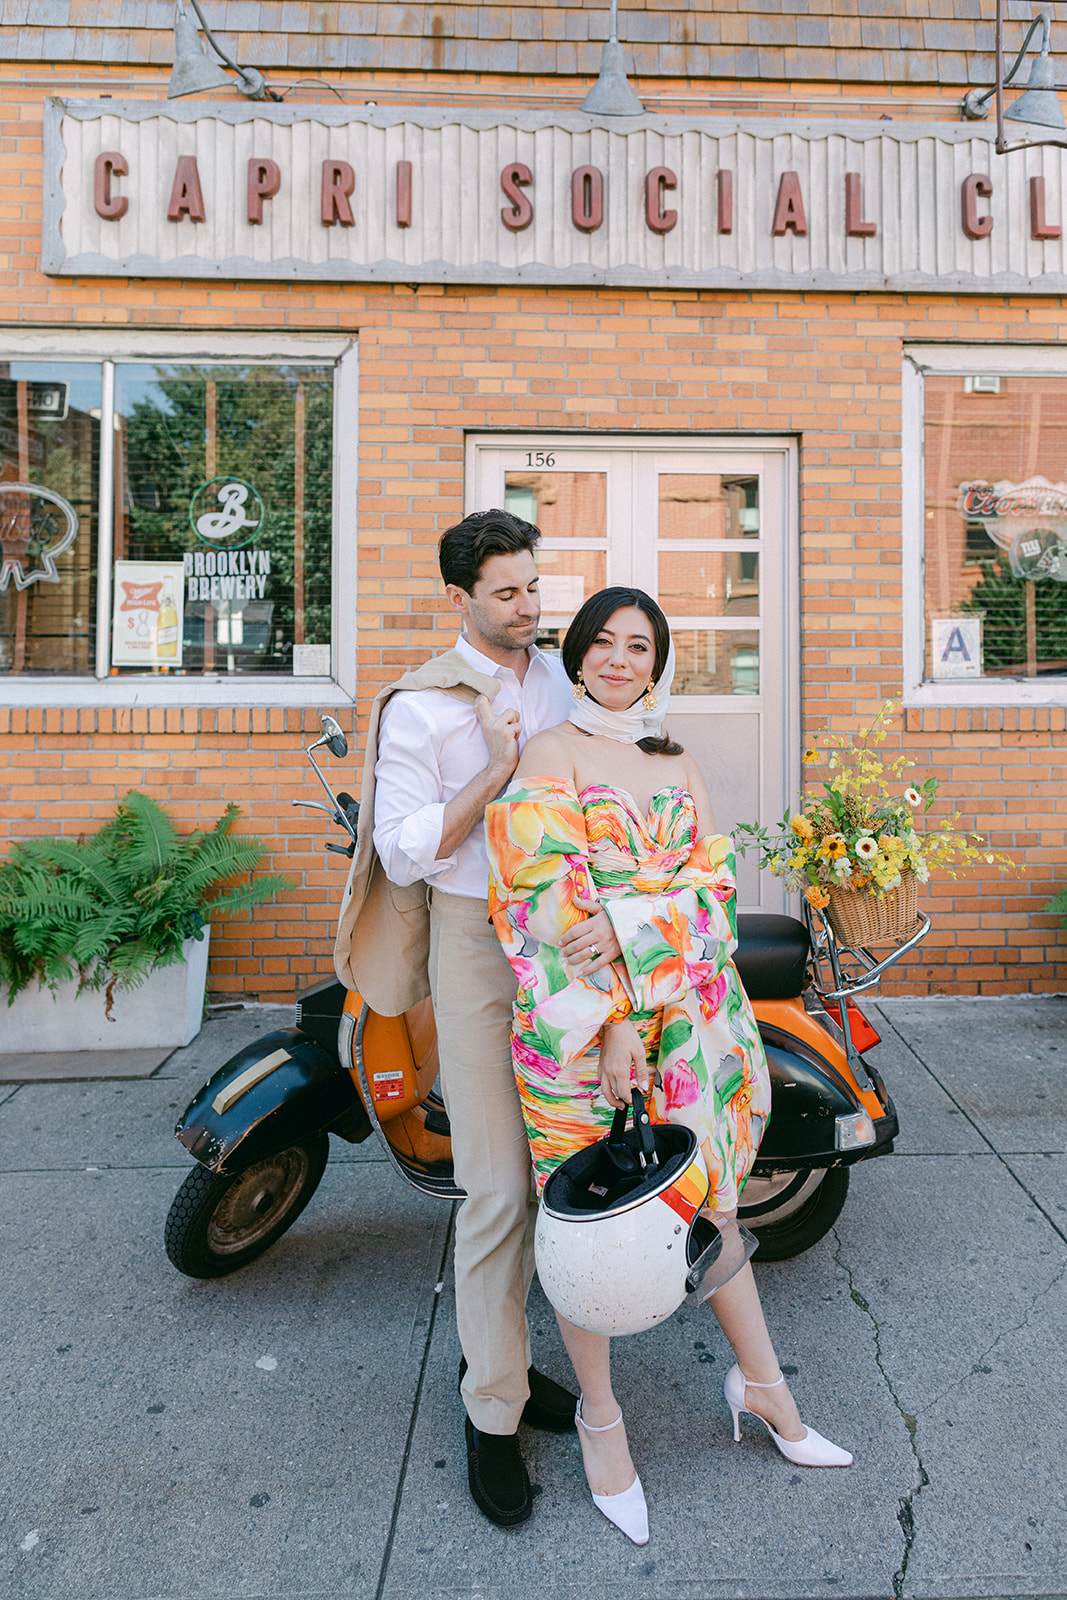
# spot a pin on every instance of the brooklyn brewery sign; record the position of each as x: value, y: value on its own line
x: 370, y: 194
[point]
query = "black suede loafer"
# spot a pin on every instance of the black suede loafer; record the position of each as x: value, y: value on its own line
x: 499, y: 1483
x: 550, y: 1406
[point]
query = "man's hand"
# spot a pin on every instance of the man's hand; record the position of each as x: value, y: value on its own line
x: 622, y: 1061
x: 466, y: 809
x: 502, y: 736
x: 595, y: 933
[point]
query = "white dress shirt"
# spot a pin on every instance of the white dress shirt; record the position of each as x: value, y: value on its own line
x: 430, y: 746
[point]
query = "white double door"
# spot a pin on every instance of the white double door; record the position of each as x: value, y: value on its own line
x: 709, y: 529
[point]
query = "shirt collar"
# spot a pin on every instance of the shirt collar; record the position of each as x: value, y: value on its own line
x: 491, y: 668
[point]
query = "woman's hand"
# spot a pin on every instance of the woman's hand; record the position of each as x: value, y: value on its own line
x: 622, y: 1060
x: 595, y: 934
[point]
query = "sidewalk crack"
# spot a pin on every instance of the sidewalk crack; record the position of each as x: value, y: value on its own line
x: 1004, y: 1333
x: 905, y: 1506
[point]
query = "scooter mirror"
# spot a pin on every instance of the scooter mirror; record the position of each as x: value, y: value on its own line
x: 335, y: 739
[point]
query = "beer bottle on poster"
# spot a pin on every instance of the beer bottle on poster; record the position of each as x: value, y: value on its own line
x: 167, y: 628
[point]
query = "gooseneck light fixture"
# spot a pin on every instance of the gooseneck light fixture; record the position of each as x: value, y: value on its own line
x: 612, y: 95
x: 1038, y: 107
x: 195, y: 71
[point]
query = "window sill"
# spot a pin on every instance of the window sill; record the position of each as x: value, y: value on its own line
x: 988, y: 692
x: 158, y: 693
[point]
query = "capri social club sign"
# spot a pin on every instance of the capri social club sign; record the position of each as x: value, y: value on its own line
x: 395, y: 195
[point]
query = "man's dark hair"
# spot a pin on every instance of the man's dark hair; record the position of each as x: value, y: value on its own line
x: 464, y: 549
x: 585, y: 629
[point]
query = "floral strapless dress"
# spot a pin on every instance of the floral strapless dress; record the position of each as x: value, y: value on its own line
x: 671, y: 898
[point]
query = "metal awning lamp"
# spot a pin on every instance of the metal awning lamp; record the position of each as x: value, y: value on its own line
x: 612, y: 95
x: 1038, y: 107
x: 194, y: 70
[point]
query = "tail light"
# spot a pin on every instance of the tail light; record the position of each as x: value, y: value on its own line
x: 864, y: 1036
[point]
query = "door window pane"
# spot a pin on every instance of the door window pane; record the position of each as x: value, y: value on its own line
x: 227, y: 471
x: 49, y: 461
x: 703, y: 505
x: 995, y: 527
x: 568, y: 578
x: 709, y: 583
x: 713, y: 661
x: 564, y: 505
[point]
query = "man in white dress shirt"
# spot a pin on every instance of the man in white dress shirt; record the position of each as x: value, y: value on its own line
x: 440, y: 760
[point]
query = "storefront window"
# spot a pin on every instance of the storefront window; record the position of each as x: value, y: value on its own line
x: 218, y: 534
x: 995, y: 527
x: 49, y: 465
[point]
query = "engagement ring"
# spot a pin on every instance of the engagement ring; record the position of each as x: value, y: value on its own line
x: 594, y: 953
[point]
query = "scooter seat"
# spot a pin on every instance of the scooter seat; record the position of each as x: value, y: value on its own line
x: 771, y: 955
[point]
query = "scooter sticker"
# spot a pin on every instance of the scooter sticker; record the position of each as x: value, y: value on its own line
x: 387, y: 1085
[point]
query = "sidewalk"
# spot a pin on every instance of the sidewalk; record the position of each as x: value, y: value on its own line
x: 294, y: 1431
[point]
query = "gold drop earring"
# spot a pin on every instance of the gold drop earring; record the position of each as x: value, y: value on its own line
x: 649, y: 703
x: 578, y: 687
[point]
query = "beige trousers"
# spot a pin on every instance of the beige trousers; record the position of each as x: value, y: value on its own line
x: 473, y: 991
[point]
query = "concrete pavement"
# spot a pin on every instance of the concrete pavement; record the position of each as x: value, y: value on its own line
x: 294, y: 1432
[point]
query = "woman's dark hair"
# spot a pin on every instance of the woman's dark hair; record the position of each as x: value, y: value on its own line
x: 464, y: 549
x: 586, y: 629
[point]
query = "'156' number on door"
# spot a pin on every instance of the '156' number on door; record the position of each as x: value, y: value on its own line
x: 540, y: 458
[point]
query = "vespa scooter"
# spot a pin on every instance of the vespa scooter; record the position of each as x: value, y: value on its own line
x: 260, y: 1128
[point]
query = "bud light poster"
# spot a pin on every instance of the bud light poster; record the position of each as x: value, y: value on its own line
x: 146, y: 628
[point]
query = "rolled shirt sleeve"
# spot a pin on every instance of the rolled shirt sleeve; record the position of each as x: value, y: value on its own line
x: 409, y: 800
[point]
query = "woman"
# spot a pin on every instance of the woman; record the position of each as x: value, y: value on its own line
x: 613, y: 897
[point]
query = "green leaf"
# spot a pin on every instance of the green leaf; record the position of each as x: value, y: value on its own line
x: 675, y: 1035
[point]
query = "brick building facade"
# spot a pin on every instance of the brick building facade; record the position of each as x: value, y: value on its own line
x: 824, y: 376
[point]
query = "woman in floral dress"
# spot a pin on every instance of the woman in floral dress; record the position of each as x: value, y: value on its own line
x: 614, y: 899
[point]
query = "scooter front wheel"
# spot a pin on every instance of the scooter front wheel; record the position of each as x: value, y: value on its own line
x: 790, y: 1211
x: 221, y: 1221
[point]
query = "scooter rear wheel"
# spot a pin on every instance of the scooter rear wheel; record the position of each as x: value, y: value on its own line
x: 797, y: 1216
x: 221, y: 1221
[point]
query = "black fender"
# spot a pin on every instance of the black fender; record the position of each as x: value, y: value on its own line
x: 806, y: 1100
x: 270, y: 1095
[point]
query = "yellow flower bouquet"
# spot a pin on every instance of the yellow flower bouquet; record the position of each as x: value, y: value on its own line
x: 857, y: 840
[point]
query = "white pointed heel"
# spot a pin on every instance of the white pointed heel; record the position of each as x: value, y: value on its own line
x: 811, y: 1451
x: 628, y: 1510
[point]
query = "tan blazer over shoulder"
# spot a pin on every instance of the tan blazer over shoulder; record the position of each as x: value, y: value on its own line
x: 382, y: 948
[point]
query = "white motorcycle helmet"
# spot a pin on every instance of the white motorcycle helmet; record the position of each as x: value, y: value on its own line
x: 619, y: 1240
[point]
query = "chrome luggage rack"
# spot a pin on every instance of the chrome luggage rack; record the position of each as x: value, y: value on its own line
x: 851, y: 970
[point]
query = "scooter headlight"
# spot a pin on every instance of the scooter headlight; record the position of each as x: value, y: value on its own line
x: 853, y: 1131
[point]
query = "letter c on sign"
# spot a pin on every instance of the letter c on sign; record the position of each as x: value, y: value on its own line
x: 107, y: 205
x: 974, y: 188
x: 520, y: 214
x: 657, y: 181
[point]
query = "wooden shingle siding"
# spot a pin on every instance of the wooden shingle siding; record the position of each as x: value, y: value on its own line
x: 861, y: 41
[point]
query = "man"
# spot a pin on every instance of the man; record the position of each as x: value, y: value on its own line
x: 443, y: 742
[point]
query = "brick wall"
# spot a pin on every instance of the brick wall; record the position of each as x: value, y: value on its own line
x: 435, y: 362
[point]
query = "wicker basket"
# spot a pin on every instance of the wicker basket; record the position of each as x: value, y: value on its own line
x: 860, y: 919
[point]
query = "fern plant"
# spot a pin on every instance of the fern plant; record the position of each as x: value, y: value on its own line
x: 1059, y: 904
x: 109, y: 908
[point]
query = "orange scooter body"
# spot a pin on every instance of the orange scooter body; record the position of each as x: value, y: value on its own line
x: 401, y: 1065
x: 791, y: 1018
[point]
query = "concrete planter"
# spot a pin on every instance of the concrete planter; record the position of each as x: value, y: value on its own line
x: 167, y: 1009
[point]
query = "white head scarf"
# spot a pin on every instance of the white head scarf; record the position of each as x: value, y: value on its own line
x: 635, y: 722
